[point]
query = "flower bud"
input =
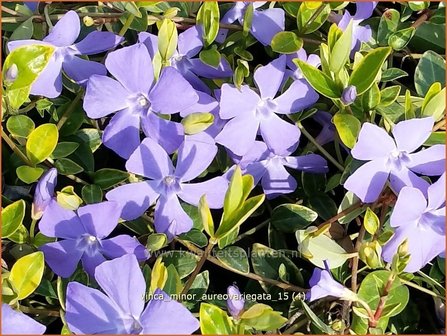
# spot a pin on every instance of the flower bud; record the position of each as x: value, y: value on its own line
x: 370, y: 254
x: 88, y: 21
x: 235, y: 301
x: 349, y: 94
x: 11, y: 74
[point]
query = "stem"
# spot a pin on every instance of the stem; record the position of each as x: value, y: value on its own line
x: 10, y: 11
x: 199, y: 266
x: 438, y: 125
x: 422, y: 289
x: 32, y: 229
x: 320, y: 148
x: 315, y: 15
x: 69, y: 110
x: 382, y: 301
x: 355, y: 260
x: 426, y: 14
x: 127, y: 24
x: 16, y: 149
x: 253, y: 230
x: 343, y: 213
x: 367, y: 308
x: 47, y: 16
x: 38, y: 311
x: 249, y: 275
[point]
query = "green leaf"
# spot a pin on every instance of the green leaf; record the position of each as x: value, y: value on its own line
x: 12, y: 218
x: 197, y: 122
x: 109, y: 177
x: 248, y: 19
x: 430, y: 69
x: 262, y: 317
x: 26, y: 274
x: 306, y: 11
x: 184, y: 261
x: 389, y: 95
x: 68, y: 198
x: 286, y: 42
x: 234, y: 257
x: 29, y: 174
x: 436, y: 138
x: 371, y: 98
x: 418, y: 5
x: 234, y: 195
x: 214, y: 321
x: 64, y: 149
x: 91, y: 194
x: 173, y: 284
x: 388, y: 25
x: 156, y: 241
x: 291, y: 217
x: 316, y: 321
x: 210, y: 57
x: 206, y: 216
x: 401, y: 38
x: 321, y: 248
x: 435, y: 107
x: 24, y: 31
x: 365, y: 71
x: 195, y: 236
x: 67, y: 167
x: 391, y: 74
x: 20, y: 125
x: 41, y: 143
x: 321, y: 82
x: 167, y: 39
x: 208, y: 18
x: 348, y: 200
x: 348, y: 128
x: 341, y: 50
x: 371, y: 222
x: 266, y: 262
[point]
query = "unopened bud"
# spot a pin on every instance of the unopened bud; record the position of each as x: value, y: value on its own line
x: 88, y: 21
x: 11, y: 74
x: 349, y: 95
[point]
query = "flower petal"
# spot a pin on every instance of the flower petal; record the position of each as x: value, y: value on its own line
x: 277, y: 181
x: 172, y: 84
x: 364, y: 10
x: 411, y: 134
x: 368, y: 181
x: 44, y: 192
x: 214, y: 189
x: 430, y: 161
x: 279, y: 135
x: 158, y: 315
x: 81, y: 70
x: 410, y: 205
x: 92, y: 260
x: 436, y: 193
x: 123, y: 244
x: 267, y: 23
x: 150, y: 41
x: 100, y: 219
x: 223, y: 70
x: 268, y: 78
x: 121, y: 279
x: 49, y: 81
x: 365, y: 149
x: 194, y: 156
x: 103, y: 96
x: 206, y: 103
x: 239, y: 134
x: 190, y: 42
x: 135, y: 198
x: 311, y: 163
x: 150, y: 160
x: 297, y: 97
x: 122, y: 134
x: 62, y: 256
x: 60, y: 222
x: 17, y: 323
x: 170, y: 218
x: 65, y: 31
x: 137, y: 78
x: 168, y: 134
x: 235, y: 102
x: 88, y: 311
x: 97, y: 42
x: 405, y: 177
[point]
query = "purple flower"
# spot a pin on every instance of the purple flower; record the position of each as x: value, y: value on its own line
x: 185, y: 61
x: 251, y: 112
x: 44, y: 193
x: 359, y: 33
x: 235, y: 301
x: 32, y: 5
x: 265, y: 24
x: 421, y: 222
x: 349, y: 95
x: 301, y: 54
x: 394, y: 158
x: 269, y: 168
x: 323, y: 284
x: 167, y: 183
x: 82, y: 236
x: 121, y: 309
x: 137, y: 99
x: 327, y: 132
x: 17, y: 323
x: 62, y: 38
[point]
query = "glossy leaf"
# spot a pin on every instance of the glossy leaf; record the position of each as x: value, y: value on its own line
x: 12, y: 217
x: 41, y: 143
x: 26, y: 274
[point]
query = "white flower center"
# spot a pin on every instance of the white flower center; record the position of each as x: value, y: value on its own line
x: 142, y: 101
x: 169, y: 180
x: 91, y: 239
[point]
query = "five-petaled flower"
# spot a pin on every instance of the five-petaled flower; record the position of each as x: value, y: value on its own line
x: 82, y: 237
x: 251, y: 112
x: 168, y: 183
x: 62, y: 37
x: 121, y: 309
x: 421, y: 222
x: 394, y: 158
